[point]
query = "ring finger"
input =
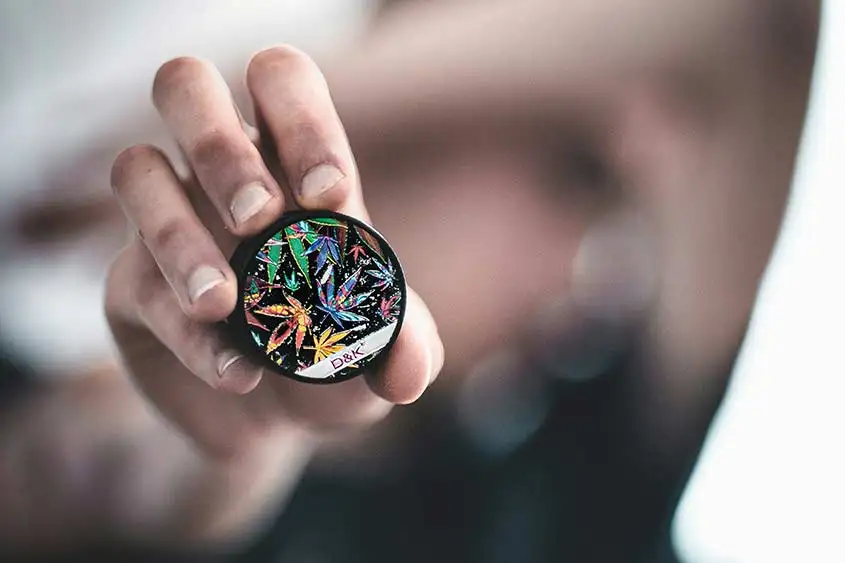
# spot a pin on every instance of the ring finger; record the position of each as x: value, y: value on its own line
x: 198, y: 108
x: 154, y: 200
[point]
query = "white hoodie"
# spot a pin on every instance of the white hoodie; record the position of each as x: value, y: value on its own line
x: 770, y: 483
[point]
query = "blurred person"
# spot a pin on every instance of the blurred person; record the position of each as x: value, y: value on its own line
x: 768, y: 485
x: 622, y: 191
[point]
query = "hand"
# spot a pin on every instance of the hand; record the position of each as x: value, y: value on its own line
x: 172, y: 283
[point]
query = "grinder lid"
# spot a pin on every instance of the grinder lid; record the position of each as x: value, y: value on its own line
x: 321, y: 297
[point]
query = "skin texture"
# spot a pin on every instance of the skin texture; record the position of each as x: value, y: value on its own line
x: 464, y: 118
x: 159, y: 323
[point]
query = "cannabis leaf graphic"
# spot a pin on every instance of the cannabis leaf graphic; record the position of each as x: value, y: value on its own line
x: 327, y: 248
x: 388, y: 309
x: 297, y: 318
x: 297, y: 236
x: 370, y: 241
x: 357, y: 251
x: 291, y: 282
x: 327, y: 344
x: 339, y: 305
x: 384, y: 273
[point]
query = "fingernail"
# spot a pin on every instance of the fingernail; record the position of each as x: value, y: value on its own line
x: 319, y: 180
x: 203, y: 279
x: 248, y: 201
x: 225, y: 361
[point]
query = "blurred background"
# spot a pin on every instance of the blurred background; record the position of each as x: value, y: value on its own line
x: 548, y: 437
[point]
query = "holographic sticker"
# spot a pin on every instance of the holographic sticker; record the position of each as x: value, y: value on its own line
x: 322, y: 296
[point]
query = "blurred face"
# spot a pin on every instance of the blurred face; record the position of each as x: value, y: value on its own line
x: 486, y: 237
x: 492, y: 231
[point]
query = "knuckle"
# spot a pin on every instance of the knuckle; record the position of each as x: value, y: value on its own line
x: 195, y: 342
x: 216, y: 149
x: 311, y: 141
x: 132, y: 160
x: 283, y: 59
x: 173, y: 74
x: 307, y: 129
x: 169, y: 236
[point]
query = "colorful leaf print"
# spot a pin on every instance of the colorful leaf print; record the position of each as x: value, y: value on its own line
x: 338, y: 305
x: 334, y: 286
x: 296, y: 242
x: 340, y: 234
x: 252, y: 294
x: 271, y: 254
x: 327, y: 344
x: 253, y: 321
x: 370, y: 241
x: 275, y: 253
x: 255, y: 291
x: 327, y: 221
x: 385, y: 275
x: 389, y: 307
x: 297, y: 318
x: 326, y: 247
x: 291, y: 282
x: 357, y: 252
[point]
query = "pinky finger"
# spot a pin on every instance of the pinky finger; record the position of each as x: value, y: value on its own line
x: 200, y: 347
